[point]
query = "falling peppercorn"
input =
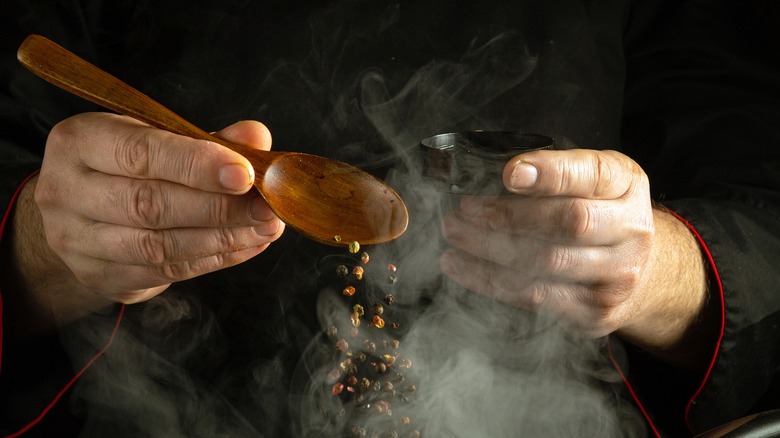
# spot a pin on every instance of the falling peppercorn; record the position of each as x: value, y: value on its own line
x: 364, y: 258
x: 358, y: 271
x: 354, y: 247
x: 342, y: 270
x: 349, y: 291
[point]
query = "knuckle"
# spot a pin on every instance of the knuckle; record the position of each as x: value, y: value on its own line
x: 227, y: 239
x: 176, y: 271
x: 558, y: 260
x: 151, y: 247
x: 499, y: 217
x: 603, y: 176
x: 64, y: 130
x: 146, y: 207
x: 219, y: 210
x: 132, y: 152
x: 59, y: 241
x: 539, y: 296
x: 47, y: 192
x: 580, y: 221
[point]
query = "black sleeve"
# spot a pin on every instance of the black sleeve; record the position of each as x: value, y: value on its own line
x: 32, y: 372
x: 701, y: 111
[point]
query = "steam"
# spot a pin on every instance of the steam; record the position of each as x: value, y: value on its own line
x: 480, y: 368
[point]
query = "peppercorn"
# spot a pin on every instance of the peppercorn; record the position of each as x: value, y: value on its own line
x: 358, y: 271
x: 342, y: 345
x: 364, y: 258
x: 377, y: 321
x: 377, y: 309
x: 349, y: 291
x: 342, y: 270
x: 354, y: 247
x: 389, y: 299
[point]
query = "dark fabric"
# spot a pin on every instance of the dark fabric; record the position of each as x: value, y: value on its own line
x: 702, y: 104
x: 682, y: 87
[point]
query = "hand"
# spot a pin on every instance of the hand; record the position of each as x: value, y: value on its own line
x: 129, y: 209
x: 580, y: 240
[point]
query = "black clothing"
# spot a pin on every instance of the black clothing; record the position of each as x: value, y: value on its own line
x: 687, y: 89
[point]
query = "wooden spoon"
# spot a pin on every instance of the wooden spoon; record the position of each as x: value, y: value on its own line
x: 327, y: 200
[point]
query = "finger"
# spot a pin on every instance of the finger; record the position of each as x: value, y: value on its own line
x: 247, y: 132
x: 565, y: 219
x: 527, y: 255
x: 494, y: 281
x: 157, y: 204
x: 578, y: 173
x: 136, y: 246
x: 567, y: 303
x: 122, y: 146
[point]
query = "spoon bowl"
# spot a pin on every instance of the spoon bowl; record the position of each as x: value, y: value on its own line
x: 329, y: 201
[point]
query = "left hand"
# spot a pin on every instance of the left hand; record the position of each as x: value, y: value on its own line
x: 574, y: 240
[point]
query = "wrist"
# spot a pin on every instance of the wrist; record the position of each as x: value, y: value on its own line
x: 674, y: 320
x: 39, y: 290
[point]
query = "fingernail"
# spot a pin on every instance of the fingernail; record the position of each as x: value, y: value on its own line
x: 234, y: 177
x: 523, y: 176
x: 259, y: 210
x: 269, y: 228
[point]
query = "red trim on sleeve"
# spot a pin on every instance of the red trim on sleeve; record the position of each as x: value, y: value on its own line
x: 631, y: 390
x: 89, y: 363
x: 711, y: 365
x: 73, y: 380
x: 721, y: 295
x: 3, y: 224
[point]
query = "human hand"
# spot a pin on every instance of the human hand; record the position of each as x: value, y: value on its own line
x: 130, y: 209
x: 579, y: 239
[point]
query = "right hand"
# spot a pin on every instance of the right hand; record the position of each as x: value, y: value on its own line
x: 131, y: 209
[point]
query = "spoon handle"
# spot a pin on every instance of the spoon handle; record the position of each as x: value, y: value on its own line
x: 68, y: 71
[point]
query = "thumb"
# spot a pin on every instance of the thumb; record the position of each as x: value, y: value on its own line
x: 249, y: 133
x: 579, y: 173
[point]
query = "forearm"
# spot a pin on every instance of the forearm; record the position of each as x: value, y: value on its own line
x: 677, y: 322
x: 39, y: 290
